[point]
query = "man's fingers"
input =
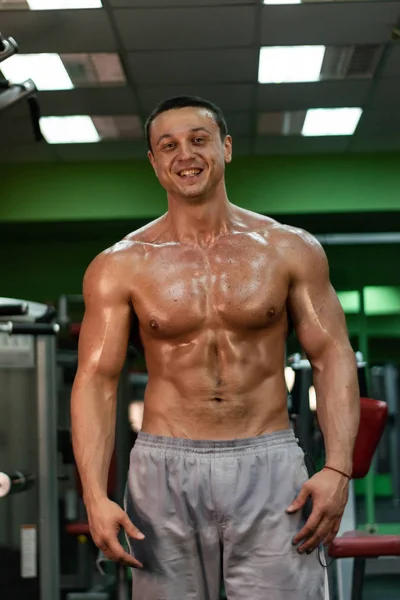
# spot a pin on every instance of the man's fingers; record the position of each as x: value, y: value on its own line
x: 320, y: 534
x: 309, y: 528
x: 114, y: 551
x: 130, y: 529
x: 299, y: 501
x: 335, y: 530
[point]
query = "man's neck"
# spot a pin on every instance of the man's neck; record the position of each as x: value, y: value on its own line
x: 201, y: 221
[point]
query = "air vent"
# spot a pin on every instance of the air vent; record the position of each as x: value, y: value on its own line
x: 281, y: 123
x: 13, y: 5
x: 118, y: 127
x: 96, y: 68
x: 350, y: 61
x: 364, y: 61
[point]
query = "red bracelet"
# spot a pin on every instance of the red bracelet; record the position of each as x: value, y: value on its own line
x: 337, y: 471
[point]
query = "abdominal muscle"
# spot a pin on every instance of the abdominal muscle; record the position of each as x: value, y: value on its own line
x: 187, y: 398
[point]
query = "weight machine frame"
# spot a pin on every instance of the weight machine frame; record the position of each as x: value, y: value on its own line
x: 47, y: 523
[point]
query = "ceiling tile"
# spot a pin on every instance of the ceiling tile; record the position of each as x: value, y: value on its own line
x: 186, y: 28
x: 388, y: 142
x: 185, y: 3
x: 391, y: 69
x: 194, y: 66
x: 300, y: 144
x: 228, y: 97
x: 380, y: 122
x: 59, y: 31
x: 119, y: 150
x: 326, y: 23
x: 40, y: 152
x: 94, y: 101
x: 239, y: 123
x: 241, y: 146
x: 385, y: 93
x: 323, y: 94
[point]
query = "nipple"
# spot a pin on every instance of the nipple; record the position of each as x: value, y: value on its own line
x: 271, y: 312
x: 154, y: 325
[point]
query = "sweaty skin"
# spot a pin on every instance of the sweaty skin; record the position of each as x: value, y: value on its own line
x: 211, y: 287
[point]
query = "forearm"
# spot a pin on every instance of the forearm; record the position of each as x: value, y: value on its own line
x: 338, y: 406
x: 93, y: 414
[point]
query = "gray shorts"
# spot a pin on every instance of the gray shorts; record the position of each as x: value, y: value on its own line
x: 215, y: 511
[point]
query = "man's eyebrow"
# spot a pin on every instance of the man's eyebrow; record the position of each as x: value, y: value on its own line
x: 193, y: 130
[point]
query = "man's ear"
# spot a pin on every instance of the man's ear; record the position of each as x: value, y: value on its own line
x: 228, y: 149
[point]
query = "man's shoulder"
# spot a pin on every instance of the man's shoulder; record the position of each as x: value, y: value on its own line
x: 132, y: 246
x: 292, y: 236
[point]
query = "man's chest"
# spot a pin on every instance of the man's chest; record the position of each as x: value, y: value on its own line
x: 233, y: 285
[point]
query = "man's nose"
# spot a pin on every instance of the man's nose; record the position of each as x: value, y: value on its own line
x: 185, y: 151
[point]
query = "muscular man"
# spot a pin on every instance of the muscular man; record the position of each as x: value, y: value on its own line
x: 217, y: 480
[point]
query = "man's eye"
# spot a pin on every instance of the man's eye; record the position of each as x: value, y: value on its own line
x: 198, y: 140
x: 168, y: 146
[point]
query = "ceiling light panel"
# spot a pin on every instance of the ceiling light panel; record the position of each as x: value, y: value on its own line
x: 288, y: 64
x: 85, y: 129
x: 65, y: 71
x: 331, y: 121
x: 293, y: 64
x: 77, y: 129
x: 314, y: 122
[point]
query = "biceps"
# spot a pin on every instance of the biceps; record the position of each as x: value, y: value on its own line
x: 103, y: 340
x: 318, y: 319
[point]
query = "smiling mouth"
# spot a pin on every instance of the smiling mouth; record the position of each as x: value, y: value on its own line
x: 189, y: 173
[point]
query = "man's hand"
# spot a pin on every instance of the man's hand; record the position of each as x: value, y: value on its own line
x: 105, y: 520
x: 329, y: 492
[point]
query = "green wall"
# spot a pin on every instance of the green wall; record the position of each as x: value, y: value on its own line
x: 286, y: 185
x: 55, y: 218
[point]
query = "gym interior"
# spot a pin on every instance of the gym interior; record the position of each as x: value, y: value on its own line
x: 316, y: 145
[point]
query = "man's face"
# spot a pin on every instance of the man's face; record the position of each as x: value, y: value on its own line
x: 188, y: 155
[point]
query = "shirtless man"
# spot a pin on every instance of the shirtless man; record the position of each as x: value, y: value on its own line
x: 217, y: 480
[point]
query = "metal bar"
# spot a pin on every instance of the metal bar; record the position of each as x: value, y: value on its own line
x: 369, y: 478
x: 344, y: 566
x: 30, y: 328
x: 341, y: 239
x: 358, y: 579
x: 16, y: 93
x: 8, y: 47
x: 49, y: 553
x: 12, y: 310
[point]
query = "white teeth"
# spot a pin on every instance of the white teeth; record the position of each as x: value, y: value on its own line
x: 189, y: 172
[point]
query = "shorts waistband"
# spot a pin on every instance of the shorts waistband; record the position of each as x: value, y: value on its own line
x: 215, y: 447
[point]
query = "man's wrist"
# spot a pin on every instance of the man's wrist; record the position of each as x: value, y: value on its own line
x: 93, y: 496
x: 343, y: 473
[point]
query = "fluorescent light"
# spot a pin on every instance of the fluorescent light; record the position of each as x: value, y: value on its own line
x: 77, y: 129
x: 63, y: 4
x: 331, y: 121
x: 285, y: 64
x: 282, y: 1
x: 46, y: 70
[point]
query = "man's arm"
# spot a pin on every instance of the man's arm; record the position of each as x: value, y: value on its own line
x: 102, y: 350
x: 321, y: 329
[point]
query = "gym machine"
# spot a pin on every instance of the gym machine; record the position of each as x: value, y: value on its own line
x: 385, y: 385
x: 13, y: 94
x: 302, y: 404
x: 29, y: 528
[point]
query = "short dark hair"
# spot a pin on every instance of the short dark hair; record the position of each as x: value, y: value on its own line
x: 184, y: 102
